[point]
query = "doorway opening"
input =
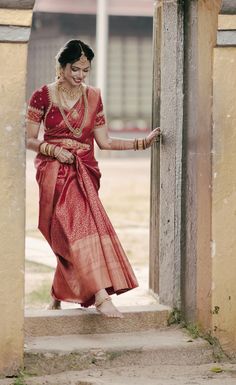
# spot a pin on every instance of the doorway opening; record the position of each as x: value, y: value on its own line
x: 125, y: 184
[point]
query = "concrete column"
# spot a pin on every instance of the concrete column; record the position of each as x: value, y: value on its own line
x: 15, y: 22
x: 101, y: 50
x: 200, y: 39
x: 171, y: 121
x: 224, y: 182
x: 183, y: 206
x: 155, y: 154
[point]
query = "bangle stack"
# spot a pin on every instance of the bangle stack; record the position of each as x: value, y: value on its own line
x: 140, y: 144
x: 56, y: 153
x: 49, y: 149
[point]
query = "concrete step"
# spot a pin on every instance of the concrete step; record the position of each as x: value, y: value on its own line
x: 172, y: 346
x: 89, y: 321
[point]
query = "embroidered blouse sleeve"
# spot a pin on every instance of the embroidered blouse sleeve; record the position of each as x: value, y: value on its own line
x: 36, y: 108
x: 100, y: 120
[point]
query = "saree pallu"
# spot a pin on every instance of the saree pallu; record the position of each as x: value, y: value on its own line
x: 74, y: 222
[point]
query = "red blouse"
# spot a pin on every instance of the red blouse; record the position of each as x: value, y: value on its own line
x: 43, y: 107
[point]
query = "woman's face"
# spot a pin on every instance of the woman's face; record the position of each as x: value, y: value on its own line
x: 75, y: 74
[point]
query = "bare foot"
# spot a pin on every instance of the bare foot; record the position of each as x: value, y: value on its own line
x: 105, y: 306
x: 54, y: 305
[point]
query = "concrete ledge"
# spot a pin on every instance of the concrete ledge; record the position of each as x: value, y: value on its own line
x: 48, y: 355
x: 228, y: 7
x: 226, y: 38
x: 14, y: 34
x: 89, y: 321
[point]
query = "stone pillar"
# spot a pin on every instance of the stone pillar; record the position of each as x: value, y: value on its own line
x: 224, y: 181
x: 166, y: 203
x: 155, y: 154
x: 15, y: 22
x: 181, y: 200
x: 171, y: 118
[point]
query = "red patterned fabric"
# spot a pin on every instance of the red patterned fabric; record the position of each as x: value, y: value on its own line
x: 71, y: 216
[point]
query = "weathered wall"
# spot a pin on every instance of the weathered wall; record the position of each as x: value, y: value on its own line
x: 200, y: 38
x: 203, y: 219
x: 224, y: 197
x: 13, y: 50
x: 166, y: 161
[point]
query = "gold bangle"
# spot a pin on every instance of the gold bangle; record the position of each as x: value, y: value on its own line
x: 50, y: 150
x: 42, y: 148
x: 59, y: 151
x: 140, y: 144
x: 46, y: 149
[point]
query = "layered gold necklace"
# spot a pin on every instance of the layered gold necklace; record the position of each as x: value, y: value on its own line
x: 72, y: 94
x: 78, y: 130
x: 65, y: 102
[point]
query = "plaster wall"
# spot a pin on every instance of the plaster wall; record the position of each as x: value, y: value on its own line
x: 20, y: 17
x: 207, y: 33
x: 226, y: 22
x: 12, y: 193
x: 224, y: 198
x: 200, y: 38
x: 12, y: 164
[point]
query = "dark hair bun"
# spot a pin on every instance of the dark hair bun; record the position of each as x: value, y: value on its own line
x: 72, y: 51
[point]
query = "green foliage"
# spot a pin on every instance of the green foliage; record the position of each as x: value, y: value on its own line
x: 175, y: 317
x: 193, y: 330
x: 19, y: 380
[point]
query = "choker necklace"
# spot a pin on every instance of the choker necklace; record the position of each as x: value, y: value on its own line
x: 72, y: 94
x: 64, y: 100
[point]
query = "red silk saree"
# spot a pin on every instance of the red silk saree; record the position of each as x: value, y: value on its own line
x: 71, y: 215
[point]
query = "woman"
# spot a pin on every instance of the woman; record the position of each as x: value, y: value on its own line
x: 91, y: 264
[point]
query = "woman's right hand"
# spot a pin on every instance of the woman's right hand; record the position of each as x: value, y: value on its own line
x: 63, y: 155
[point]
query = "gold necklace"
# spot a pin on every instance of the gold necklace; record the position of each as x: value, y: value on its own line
x: 64, y: 101
x: 76, y: 131
x: 71, y: 94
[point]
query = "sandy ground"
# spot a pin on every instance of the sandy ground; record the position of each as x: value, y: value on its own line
x: 149, y: 375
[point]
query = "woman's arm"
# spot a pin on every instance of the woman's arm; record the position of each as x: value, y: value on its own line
x: 105, y: 142
x: 33, y: 143
x: 32, y: 131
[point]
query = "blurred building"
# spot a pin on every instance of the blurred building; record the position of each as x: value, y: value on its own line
x: 129, y: 67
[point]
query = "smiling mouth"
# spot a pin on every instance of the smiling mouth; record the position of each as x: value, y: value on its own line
x: 77, y: 80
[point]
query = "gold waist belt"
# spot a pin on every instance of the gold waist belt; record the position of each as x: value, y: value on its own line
x: 70, y: 143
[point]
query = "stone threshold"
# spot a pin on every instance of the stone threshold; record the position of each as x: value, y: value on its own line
x: 39, y: 323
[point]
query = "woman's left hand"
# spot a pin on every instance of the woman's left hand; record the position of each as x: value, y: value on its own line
x: 153, y: 136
